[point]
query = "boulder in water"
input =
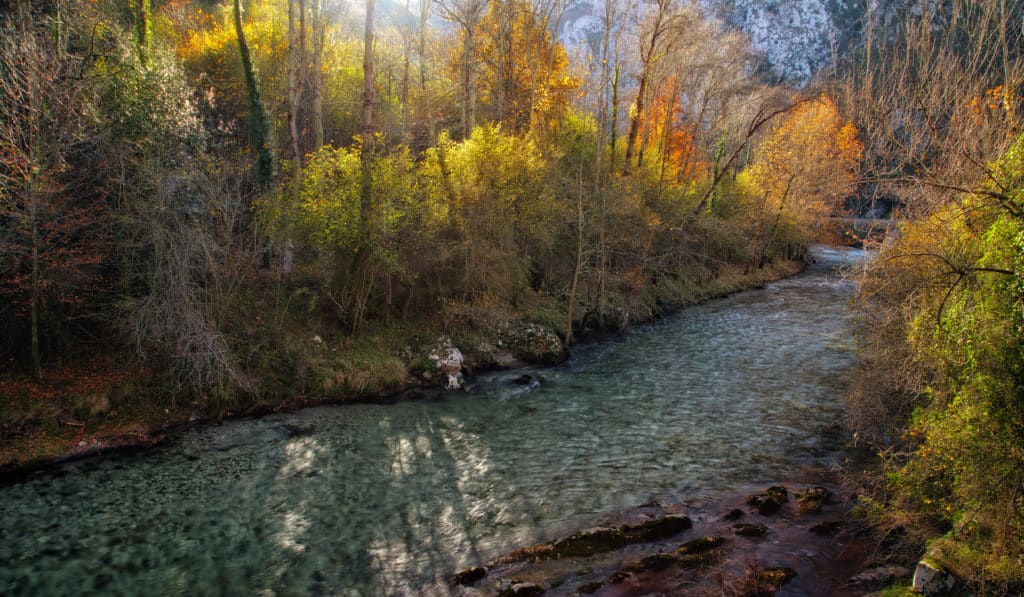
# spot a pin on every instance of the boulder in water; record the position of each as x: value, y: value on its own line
x: 770, y: 501
x: 522, y: 589
x: 750, y: 529
x: 813, y: 499
x: 469, y: 576
x: 589, y: 542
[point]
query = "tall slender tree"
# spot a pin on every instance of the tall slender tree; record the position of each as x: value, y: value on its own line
x: 259, y: 122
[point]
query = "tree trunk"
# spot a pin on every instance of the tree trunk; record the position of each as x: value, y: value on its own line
x: 142, y: 10
x: 37, y: 366
x: 579, y: 258
x: 366, y: 151
x: 317, y: 78
x: 258, y: 120
x: 296, y: 76
x: 614, y: 138
x: 634, y: 121
x: 468, y: 112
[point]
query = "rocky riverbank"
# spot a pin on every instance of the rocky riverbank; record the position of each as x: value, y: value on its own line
x: 795, y: 536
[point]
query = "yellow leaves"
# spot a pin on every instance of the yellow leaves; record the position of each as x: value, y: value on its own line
x: 809, y: 162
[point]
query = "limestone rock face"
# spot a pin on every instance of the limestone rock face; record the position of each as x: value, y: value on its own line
x: 534, y: 343
x: 932, y: 579
x: 447, y: 360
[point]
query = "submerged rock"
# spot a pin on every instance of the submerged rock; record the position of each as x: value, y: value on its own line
x: 469, y: 576
x: 590, y: 587
x: 700, y: 545
x: 769, y: 502
x: 522, y: 589
x: 750, y: 529
x: 813, y: 499
x: 658, y: 528
x: 734, y: 514
x: 778, y: 575
x: 589, y: 542
x: 877, y: 579
x: 828, y: 527
x: 603, y: 539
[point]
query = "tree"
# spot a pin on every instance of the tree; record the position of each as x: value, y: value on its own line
x: 51, y: 242
x: 525, y: 82
x: 808, y: 164
x: 466, y: 14
x: 259, y: 122
x: 654, y: 44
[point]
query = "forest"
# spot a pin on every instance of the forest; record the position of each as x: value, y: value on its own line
x: 215, y: 208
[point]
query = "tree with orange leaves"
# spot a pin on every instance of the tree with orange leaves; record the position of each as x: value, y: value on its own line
x: 808, y: 164
x: 525, y: 82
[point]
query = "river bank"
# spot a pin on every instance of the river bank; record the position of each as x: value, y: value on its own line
x: 102, y: 406
x: 798, y: 535
x: 394, y: 498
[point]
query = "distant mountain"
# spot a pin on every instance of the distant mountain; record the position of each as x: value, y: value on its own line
x: 796, y: 37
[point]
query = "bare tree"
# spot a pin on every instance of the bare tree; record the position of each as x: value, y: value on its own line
x: 466, y: 14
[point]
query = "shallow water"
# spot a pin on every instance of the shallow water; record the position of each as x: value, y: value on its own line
x: 388, y: 499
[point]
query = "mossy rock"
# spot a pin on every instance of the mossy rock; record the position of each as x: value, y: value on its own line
x: 750, y: 529
x: 589, y: 542
x: 534, y: 343
x: 828, y: 527
x: 658, y: 561
x: 522, y: 589
x: 770, y: 501
x: 658, y: 528
x: 813, y: 499
x: 469, y: 576
x: 777, y: 575
x: 589, y: 588
x: 699, y: 545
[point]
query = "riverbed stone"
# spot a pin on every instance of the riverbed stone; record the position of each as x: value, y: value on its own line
x: 699, y: 545
x: 876, y: 579
x: 777, y: 575
x: 469, y: 576
x: 658, y: 528
x: 750, y: 529
x: 828, y: 527
x: 589, y: 542
x: 770, y: 501
x: 931, y: 578
x: 522, y: 589
x: 814, y: 499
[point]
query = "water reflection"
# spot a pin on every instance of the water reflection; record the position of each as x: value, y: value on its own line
x: 388, y: 499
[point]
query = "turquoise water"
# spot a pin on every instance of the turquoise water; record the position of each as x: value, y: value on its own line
x: 389, y: 499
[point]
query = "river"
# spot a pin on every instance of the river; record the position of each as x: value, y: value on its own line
x: 389, y: 499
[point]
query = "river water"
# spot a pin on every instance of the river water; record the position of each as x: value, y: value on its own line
x: 389, y: 499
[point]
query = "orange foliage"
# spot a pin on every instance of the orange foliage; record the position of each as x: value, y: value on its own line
x: 809, y: 162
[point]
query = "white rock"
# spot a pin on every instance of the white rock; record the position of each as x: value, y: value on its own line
x: 931, y: 579
x: 449, y: 362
